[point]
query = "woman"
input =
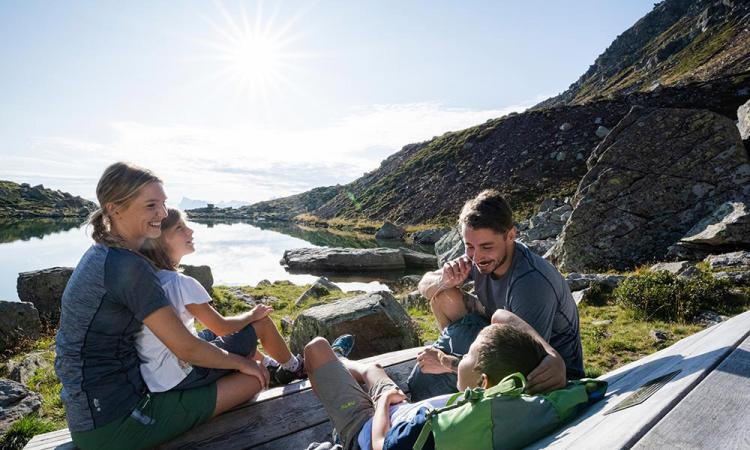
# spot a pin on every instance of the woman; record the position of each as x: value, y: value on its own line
x: 160, y: 368
x: 111, y: 294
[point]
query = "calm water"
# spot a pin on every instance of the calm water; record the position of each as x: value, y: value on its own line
x: 238, y: 253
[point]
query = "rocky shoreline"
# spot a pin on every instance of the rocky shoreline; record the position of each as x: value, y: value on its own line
x: 26, y: 201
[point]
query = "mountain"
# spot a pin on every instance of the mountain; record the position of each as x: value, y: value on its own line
x: 678, y: 42
x: 288, y: 207
x: 683, y: 54
x: 189, y: 203
x: 23, y: 200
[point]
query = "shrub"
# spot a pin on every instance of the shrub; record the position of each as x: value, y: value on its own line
x: 665, y: 296
x: 21, y: 432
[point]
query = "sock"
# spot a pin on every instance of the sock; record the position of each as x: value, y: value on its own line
x: 268, y: 361
x: 292, y: 365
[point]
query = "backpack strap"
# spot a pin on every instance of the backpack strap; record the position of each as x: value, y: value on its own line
x: 514, y: 384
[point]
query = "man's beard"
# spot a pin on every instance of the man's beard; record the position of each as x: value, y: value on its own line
x: 492, y: 268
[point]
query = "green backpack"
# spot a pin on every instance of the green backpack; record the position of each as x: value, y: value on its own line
x: 503, y: 417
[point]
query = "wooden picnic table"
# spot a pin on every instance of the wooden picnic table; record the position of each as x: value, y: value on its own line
x: 706, y: 405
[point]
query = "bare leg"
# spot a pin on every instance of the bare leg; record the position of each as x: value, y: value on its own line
x: 233, y: 390
x: 448, y: 306
x: 272, y: 340
x: 318, y: 352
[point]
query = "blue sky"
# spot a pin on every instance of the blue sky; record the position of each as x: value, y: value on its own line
x: 254, y: 100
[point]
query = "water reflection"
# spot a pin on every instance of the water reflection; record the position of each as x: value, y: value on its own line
x: 24, y: 229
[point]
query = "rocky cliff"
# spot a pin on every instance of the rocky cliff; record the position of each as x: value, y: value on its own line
x: 23, y: 200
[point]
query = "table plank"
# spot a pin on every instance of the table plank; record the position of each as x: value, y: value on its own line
x: 695, y: 355
x: 715, y: 414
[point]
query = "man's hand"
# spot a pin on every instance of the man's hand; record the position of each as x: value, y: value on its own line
x: 548, y: 375
x: 455, y: 272
x: 252, y: 368
x: 259, y: 312
x: 431, y: 359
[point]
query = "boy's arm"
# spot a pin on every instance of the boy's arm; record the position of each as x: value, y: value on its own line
x: 381, y: 420
x: 221, y: 325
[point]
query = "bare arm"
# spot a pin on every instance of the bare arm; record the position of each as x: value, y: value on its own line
x: 221, y: 325
x: 381, y: 420
x: 165, y: 324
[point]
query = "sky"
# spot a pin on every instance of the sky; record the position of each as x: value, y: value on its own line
x: 248, y: 100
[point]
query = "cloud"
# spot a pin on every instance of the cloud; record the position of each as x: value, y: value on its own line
x: 246, y: 164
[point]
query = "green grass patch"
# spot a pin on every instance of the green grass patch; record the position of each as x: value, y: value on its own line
x: 21, y: 432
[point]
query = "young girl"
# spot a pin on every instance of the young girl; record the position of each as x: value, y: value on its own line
x: 160, y: 368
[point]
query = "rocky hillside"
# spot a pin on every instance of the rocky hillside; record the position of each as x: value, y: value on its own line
x: 678, y: 42
x: 697, y: 51
x: 23, y: 200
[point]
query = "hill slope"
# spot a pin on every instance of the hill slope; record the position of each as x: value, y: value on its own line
x: 22, y: 200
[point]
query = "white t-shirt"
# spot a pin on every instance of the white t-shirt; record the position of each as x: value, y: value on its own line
x: 160, y: 368
x: 403, y: 412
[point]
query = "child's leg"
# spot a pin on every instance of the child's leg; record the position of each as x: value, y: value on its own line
x: 348, y: 406
x: 273, y: 342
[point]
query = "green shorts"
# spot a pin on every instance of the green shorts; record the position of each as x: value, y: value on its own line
x: 158, y: 418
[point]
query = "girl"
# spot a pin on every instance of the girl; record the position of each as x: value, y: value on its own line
x: 161, y: 369
x: 113, y: 291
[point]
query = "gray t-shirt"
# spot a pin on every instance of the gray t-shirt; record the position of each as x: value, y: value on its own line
x: 110, y: 293
x: 534, y: 290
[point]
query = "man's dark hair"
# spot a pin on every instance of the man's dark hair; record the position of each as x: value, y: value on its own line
x: 487, y: 210
x: 505, y: 349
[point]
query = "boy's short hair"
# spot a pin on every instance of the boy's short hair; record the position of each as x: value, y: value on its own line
x: 505, y: 349
x: 487, y: 210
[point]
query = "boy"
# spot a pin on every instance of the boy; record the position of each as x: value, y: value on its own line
x: 381, y: 419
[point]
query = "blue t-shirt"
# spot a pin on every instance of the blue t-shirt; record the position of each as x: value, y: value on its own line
x: 110, y: 293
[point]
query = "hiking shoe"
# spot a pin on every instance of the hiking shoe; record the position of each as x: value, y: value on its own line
x: 343, y: 345
x: 281, y: 376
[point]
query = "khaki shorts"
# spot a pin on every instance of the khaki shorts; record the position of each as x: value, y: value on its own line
x: 346, y: 403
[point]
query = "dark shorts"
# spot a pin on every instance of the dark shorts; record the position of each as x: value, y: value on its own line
x: 346, y: 403
x: 243, y: 342
x: 158, y: 418
x: 454, y: 340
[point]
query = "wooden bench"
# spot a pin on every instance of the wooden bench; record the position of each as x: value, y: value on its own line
x: 704, y: 406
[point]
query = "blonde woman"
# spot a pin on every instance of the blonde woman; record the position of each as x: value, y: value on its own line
x: 112, y: 293
x: 161, y: 369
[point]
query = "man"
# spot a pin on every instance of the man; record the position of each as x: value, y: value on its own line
x: 512, y: 285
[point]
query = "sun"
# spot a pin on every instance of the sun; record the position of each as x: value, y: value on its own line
x: 255, y: 57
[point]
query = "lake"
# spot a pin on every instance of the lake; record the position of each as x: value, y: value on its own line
x: 239, y: 253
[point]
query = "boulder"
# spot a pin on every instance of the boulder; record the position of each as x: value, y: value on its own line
x: 579, y: 281
x: 733, y: 259
x: 743, y: 120
x: 44, y: 288
x: 541, y: 247
x: 320, y: 288
x: 727, y: 226
x: 202, y: 274
x: 19, y: 322
x: 16, y: 402
x: 602, y: 131
x: 741, y: 277
x: 429, y: 236
x: 450, y: 246
x: 413, y: 258
x: 674, y: 268
x: 338, y: 259
x: 548, y: 222
x: 406, y: 283
x: 377, y: 321
x: 23, y: 369
x: 390, y: 231
x: 416, y: 300
x: 657, y: 174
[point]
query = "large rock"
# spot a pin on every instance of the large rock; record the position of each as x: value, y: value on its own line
x: 406, y: 283
x: 429, y: 236
x: 580, y: 281
x: 44, y: 288
x: 548, y: 222
x: 450, y: 246
x: 651, y: 179
x: 743, y: 120
x: 19, y: 322
x: 320, y: 288
x: 413, y: 258
x: 390, y: 231
x: 728, y: 226
x: 337, y: 259
x: 675, y: 268
x: 16, y: 402
x: 378, y: 322
x: 25, y: 368
x: 734, y: 260
x: 202, y: 274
